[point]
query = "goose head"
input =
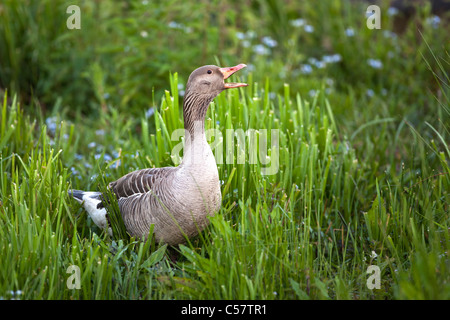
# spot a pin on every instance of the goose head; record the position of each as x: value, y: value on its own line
x: 203, y: 85
x: 210, y: 80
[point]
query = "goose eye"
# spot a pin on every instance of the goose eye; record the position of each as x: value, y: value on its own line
x: 209, y: 71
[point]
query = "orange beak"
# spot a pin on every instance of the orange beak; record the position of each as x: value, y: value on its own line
x: 227, y: 72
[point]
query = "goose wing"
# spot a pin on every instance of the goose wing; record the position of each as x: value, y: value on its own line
x: 140, y: 181
x: 138, y: 193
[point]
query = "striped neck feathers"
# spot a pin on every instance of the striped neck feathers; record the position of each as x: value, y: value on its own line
x: 196, y: 148
x: 195, y: 107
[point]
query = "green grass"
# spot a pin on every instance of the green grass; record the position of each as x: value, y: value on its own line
x: 361, y: 164
x: 307, y: 231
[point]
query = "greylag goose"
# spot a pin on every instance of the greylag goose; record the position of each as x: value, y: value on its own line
x: 176, y: 200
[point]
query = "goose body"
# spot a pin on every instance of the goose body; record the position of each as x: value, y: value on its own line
x: 176, y: 200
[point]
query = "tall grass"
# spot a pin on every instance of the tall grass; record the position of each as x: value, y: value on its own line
x: 356, y: 123
x: 40, y: 235
x: 309, y: 231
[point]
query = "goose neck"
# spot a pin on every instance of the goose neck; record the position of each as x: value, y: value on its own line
x: 196, y: 147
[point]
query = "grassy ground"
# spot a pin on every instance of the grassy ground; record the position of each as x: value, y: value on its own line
x: 362, y: 177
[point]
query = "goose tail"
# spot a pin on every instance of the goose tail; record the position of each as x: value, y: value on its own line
x: 93, y: 204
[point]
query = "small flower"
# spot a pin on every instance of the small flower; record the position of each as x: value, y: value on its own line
x: 240, y: 35
x: 349, y: 32
x: 309, y: 28
x: 51, y: 124
x: 373, y: 255
x: 389, y: 34
x: 320, y: 64
x: 92, y: 145
x: 434, y: 21
x: 392, y: 11
x: 260, y: 49
x: 245, y: 43
x: 250, y: 34
x: 174, y: 25
x: 306, y: 69
x: 144, y: 34
x: 375, y: 63
x: 268, y: 41
x: 151, y: 110
x: 297, y: 22
x: 329, y: 81
x: 332, y: 58
x: 313, y: 60
x: 370, y: 92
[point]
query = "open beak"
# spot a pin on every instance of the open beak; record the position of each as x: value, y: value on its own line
x: 227, y: 72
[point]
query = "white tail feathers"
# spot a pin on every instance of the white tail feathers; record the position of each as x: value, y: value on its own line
x: 90, y: 201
